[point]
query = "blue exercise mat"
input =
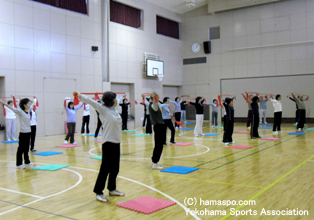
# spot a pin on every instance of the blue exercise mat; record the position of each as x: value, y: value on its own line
x: 47, y: 153
x: 10, y: 142
x: 189, y: 122
x: 96, y: 157
x: 51, y: 167
x: 179, y: 169
x: 186, y: 128
x: 92, y: 135
x: 297, y: 133
x: 309, y: 129
x: 265, y: 125
x: 219, y: 127
x: 297, y: 124
x: 211, y: 134
x: 129, y: 131
x: 138, y: 135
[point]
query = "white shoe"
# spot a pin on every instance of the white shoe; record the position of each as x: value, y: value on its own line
x: 30, y: 165
x: 213, y: 126
x: 202, y: 134
x: 83, y: 134
x: 116, y: 193
x: 299, y: 129
x: 233, y: 142
x: 74, y: 143
x: 275, y: 132
x: 226, y: 143
x: 21, y: 167
x: 101, y: 198
x: 156, y: 166
x: 195, y: 135
x: 249, y: 128
x: 9, y: 139
x: 177, y: 128
x: 66, y: 142
x: 265, y: 123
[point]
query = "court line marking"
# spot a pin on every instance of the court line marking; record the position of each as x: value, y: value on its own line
x: 271, y: 185
x: 26, y: 194
x: 149, y: 187
x: 147, y: 158
x: 46, y: 197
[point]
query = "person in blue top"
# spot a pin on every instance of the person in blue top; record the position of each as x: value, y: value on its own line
x: 166, y: 116
x: 263, y: 109
x: 71, y: 121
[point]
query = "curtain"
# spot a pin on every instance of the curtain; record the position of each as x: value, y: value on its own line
x: 72, y: 5
x: 124, y: 14
x: 167, y: 27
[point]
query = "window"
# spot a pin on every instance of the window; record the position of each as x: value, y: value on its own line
x: 214, y: 33
x: 124, y: 14
x: 167, y: 27
x: 72, y: 5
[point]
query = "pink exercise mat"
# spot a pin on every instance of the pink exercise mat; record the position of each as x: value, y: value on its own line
x: 183, y: 144
x: 68, y: 146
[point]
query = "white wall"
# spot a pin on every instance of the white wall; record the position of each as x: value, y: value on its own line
x: 37, y: 41
x: 274, y: 23
x: 126, y: 52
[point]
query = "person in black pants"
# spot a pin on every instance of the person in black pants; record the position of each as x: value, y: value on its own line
x: 125, y: 106
x: 277, y: 114
x: 255, y: 119
x: 148, y: 122
x: 144, y: 118
x: 228, y: 121
x: 250, y: 113
x: 98, y: 126
x: 166, y: 116
x: 86, y: 118
x: 159, y: 129
x: 296, y: 111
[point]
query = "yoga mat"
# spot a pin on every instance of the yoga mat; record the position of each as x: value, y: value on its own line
x: 68, y: 146
x: 129, y: 131
x: 309, y: 129
x: 51, y: 167
x: 179, y: 169
x: 189, y: 123
x: 297, y: 133
x: 10, y: 142
x: 96, y: 157
x: 139, y: 135
x: 219, y: 127
x: 186, y: 128
x: 211, y: 134
x: 47, y: 153
x: 146, y: 204
x: 296, y: 125
x: 92, y: 135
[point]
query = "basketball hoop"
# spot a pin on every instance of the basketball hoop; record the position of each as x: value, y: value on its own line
x: 160, y: 76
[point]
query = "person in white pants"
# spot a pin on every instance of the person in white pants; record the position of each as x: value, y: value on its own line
x: 199, y: 106
x: 10, y: 121
x: 263, y: 109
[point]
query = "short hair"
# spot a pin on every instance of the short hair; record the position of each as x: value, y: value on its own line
x: 214, y: 100
x: 255, y: 99
x: 108, y: 98
x: 24, y: 102
x: 277, y: 96
x: 228, y: 101
x: 70, y: 103
x: 9, y: 102
x: 176, y: 98
x: 165, y: 99
x: 197, y: 99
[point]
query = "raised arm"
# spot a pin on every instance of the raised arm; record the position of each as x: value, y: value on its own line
x: 78, y: 106
x: 155, y: 104
x: 88, y: 100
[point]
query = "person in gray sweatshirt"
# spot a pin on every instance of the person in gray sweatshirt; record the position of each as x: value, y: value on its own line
x: 263, y: 109
x: 214, y: 113
x: 302, y: 111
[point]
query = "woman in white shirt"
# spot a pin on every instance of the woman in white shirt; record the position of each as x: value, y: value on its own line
x: 111, y: 138
x: 277, y: 114
x: 10, y: 121
x: 85, y: 121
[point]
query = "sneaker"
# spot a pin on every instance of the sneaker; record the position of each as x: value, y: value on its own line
x: 66, y: 142
x: 265, y: 123
x: 73, y: 143
x: 248, y: 128
x: 83, y: 134
x: 275, y: 132
x: 195, y: 135
x: 21, y: 167
x: 156, y: 166
x: 13, y: 139
x: 33, y: 150
x: 172, y: 142
x: 30, y: 165
x: 226, y: 143
x: 300, y: 129
x: 101, y: 198
x: 116, y: 193
x: 177, y: 128
x: 233, y: 142
x: 213, y: 126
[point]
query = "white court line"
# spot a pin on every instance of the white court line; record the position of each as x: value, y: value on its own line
x: 148, y: 158
x: 26, y: 194
x: 149, y: 187
x: 46, y: 197
x: 311, y: 161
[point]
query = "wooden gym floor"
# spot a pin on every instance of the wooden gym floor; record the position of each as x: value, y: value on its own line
x: 276, y: 174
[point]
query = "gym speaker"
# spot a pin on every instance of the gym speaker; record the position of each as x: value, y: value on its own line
x: 207, y: 47
x: 94, y: 48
